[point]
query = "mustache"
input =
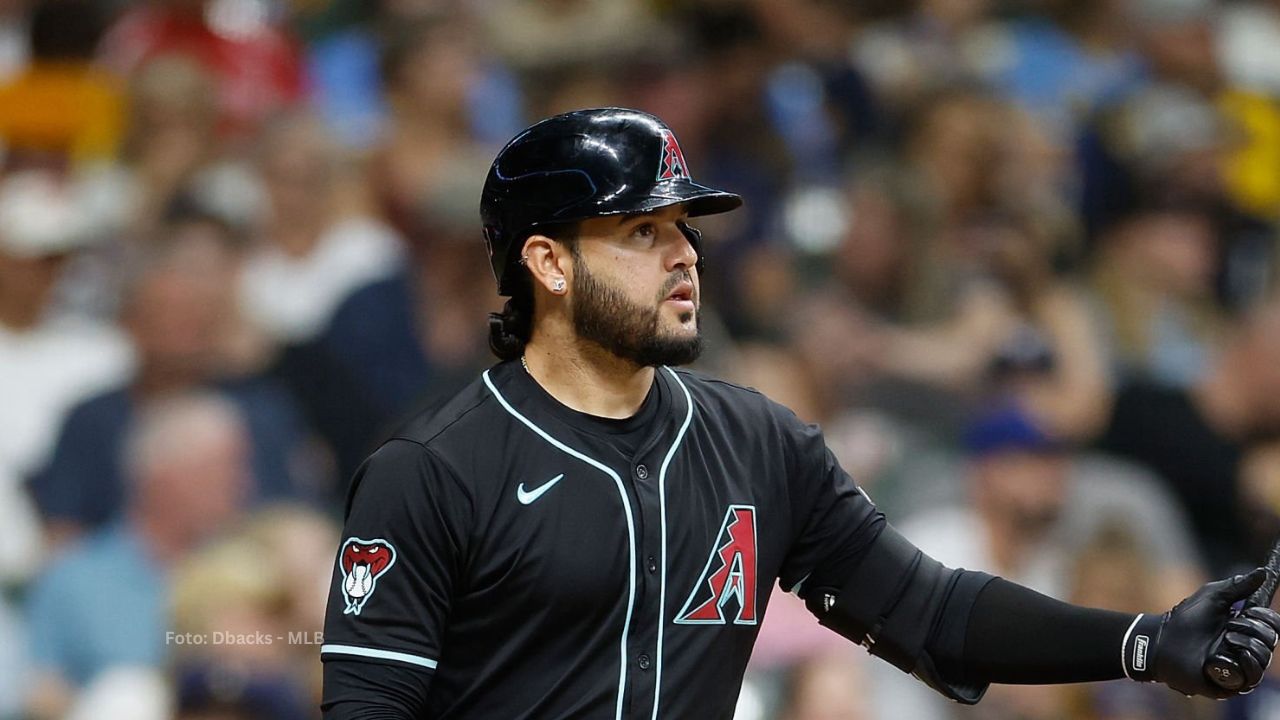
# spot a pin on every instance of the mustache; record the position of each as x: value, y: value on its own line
x: 675, y: 279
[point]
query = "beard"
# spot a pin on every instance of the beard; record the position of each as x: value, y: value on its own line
x: 605, y: 316
x: 1036, y: 523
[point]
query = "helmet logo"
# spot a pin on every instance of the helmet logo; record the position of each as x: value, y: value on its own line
x: 672, y: 164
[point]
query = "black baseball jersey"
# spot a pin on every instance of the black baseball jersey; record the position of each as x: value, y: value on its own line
x: 544, y: 563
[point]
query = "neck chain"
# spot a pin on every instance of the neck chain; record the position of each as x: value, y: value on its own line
x: 524, y: 364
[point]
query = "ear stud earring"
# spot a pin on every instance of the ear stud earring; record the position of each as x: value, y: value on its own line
x: 558, y: 285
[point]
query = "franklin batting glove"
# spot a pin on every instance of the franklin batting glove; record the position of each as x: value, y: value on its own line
x: 1174, y: 648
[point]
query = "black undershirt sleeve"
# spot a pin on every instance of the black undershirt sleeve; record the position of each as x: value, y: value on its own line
x: 356, y: 690
x: 1018, y: 636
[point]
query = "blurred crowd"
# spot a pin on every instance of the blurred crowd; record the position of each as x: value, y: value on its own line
x: 1017, y: 257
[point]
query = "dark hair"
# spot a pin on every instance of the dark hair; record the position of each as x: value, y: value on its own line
x: 403, y: 39
x: 66, y: 29
x: 510, y: 330
x: 187, y: 208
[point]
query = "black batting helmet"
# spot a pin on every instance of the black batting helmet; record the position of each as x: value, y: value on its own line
x: 580, y: 165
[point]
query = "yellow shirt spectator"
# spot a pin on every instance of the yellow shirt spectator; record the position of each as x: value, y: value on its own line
x: 1251, y: 172
x: 66, y: 107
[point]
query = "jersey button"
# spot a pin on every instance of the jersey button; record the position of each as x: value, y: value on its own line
x: 644, y: 662
x: 642, y: 472
x: 653, y: 564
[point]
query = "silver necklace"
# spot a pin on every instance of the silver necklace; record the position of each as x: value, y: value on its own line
x: 524, y: 364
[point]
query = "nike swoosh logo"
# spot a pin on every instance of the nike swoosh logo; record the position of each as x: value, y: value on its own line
x: 526, y: 497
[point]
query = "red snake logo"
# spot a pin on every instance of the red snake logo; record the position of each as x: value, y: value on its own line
x: 362, y: 563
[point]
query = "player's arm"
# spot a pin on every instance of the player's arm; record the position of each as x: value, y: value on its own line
x: 1016, y: 635
x: 937, y: 627
x: 400, y: 559
x: 960, y: 630
x: 363, y: 691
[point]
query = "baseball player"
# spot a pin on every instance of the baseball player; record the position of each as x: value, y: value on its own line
x: 587, y: 532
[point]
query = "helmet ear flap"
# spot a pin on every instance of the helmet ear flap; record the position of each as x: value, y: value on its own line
x: 694, y: 236
x: 499, y: 252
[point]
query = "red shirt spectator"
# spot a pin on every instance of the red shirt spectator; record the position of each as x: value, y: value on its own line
x: 257, y: 65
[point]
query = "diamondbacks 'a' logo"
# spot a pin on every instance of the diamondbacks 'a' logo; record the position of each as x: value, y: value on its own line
x: 362, y: 563
x: 672, y: 165
x: 730, y: 574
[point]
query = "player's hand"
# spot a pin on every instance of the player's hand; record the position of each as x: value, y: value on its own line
x: 1188, y: 636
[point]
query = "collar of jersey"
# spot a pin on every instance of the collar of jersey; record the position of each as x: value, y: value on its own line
x: 533, y: 400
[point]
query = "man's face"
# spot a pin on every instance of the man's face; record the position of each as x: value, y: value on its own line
x: 207, y: 484
x: 32, y: 280
x: 179, y: 311
x: 635, y: 288
x: 1027, y: 489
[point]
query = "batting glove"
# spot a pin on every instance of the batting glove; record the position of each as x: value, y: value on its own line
x: 1174, y: 648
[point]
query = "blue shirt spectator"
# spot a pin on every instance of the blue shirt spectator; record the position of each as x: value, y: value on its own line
x: 103, y: 604
x: 363, y: 372
x: 1048, y: 71
x: 84, y: 482
x: 348, y: 91
x: 100, y: 605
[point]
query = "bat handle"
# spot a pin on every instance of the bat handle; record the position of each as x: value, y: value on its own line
x: 1265, y: 593
x: 1223, y: 670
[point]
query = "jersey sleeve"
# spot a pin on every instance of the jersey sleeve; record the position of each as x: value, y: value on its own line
x: 400, y: 559
x: 833, y: 519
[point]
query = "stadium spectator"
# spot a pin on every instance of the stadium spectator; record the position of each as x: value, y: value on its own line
x: 430, y: 67
x: 180, y: 314
x: 1013, y: 311
x: 1260, y: 494
x: 51, y: 361
x: 319, y: 242
x: 255, y: 64
x: 230, y: 594
x: 1018, y: 480
x: 103, y: 605
x: 730, y: 132
x: 1248, y: 49
x: 60, y: 109
x: 534, y: 36
x: 449, y: 303
x: 826, y: 687
x: 1196, y: 437
x: 329, y: 285
x: 172, y: 118
x: 342, y: 47
x: 923, y: 47
x: 427, y: 173
x: 1061, y: 63
x: 305, y: 539
x: 173, y: 153
x: 1185, y: 135
x: 1153, y: 290
x: 920, y: 304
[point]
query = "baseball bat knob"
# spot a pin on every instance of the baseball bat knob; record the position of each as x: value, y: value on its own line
x: 1224, y: 672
